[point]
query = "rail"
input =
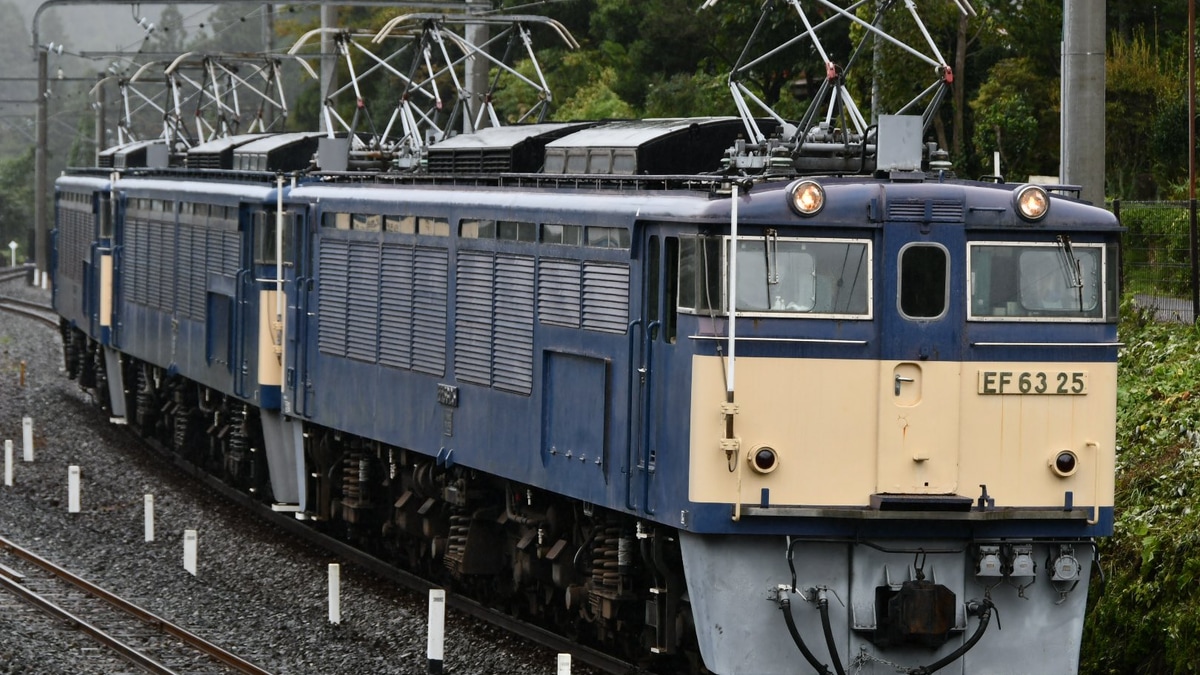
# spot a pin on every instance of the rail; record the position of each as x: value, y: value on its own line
x: 33, y: 310
x: 128, y: 652
x: 12, y: 273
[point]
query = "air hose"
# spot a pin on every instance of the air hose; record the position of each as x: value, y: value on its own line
x: 785, y: 604
x: 985, y: 616
x: 985, y: 609
x: 823, y: 606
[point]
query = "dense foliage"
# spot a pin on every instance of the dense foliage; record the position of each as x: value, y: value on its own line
x: 1145, y: 618
x: 672, y: 58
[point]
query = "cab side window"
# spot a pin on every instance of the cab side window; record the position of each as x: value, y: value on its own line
x: 924, y: 287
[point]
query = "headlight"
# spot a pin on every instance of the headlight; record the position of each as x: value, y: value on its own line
x: 808, y: 197
x: 1032, y: 202
x: 763, y: 458
x: 1064, y: 463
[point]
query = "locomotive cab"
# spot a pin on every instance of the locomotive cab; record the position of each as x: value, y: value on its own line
x: 954, y: 384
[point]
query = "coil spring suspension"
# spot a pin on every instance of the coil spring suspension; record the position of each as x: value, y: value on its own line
x: 182, y: 422
x: 146, y: 407
x: 356, y: 481
x: 100, y: 377
x: 237, y: 453
x: 87, y: 370
x: 608, y: 582
x: 72, y: 348
x: 456, y: 545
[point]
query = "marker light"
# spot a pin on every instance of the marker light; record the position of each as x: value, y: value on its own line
x: 1032, y: 202
x: 1065, y: 463
x: 763, y: 459
x: 1065, y: 566
x: 808, y: 197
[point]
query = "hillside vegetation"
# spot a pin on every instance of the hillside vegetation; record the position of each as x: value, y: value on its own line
x: 1145, y: 617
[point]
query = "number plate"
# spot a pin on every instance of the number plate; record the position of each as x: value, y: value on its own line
x: 1033, y: 382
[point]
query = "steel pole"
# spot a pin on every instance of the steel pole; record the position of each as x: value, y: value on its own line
x: 40, y: 193
x: 101, y: 120
x: 328, y: 59
x: 1192, y: 235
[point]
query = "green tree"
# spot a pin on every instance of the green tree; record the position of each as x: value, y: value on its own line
x: 16, y: 201
x: 1007, y: 117
x: 595, y: 100
x: 1144, y: 92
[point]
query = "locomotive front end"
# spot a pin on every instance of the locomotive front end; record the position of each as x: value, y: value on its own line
x: 910, y: 426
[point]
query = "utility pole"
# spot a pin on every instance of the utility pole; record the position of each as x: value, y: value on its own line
x: 41, y: 194
x: 100, y: 118
x: 1194, y: 253
x: 476, y: 74
x: 328, y: 56
x: 1082, y: 140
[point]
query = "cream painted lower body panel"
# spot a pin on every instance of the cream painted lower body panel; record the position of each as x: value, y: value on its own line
x: 843, y: 431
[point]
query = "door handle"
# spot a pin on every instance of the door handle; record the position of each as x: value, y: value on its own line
x: 900, y: 379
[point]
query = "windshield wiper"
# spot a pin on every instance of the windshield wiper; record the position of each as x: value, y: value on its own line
x: 1072, y: 271
x: 771, y: 249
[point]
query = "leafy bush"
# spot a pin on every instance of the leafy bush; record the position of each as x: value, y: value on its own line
x: 1146, y: 617
x: 1156, y: 248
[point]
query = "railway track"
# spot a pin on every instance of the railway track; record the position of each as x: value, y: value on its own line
x: 147, y: 641
x: 12, y: 273
x: 12, y: 305
x: 33, y: 310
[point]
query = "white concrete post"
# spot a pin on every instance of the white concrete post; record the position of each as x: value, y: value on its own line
x: 8, y: 460
x: 564, y: 664
x: 335, y: 593
x: 437, y: 631
x: 73, y: 489
x: 149, y: 517
x: 27, y: 437
x: 189, y: 551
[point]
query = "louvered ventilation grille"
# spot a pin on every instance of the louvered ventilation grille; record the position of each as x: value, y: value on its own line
x: 429, y: 311
x: 924, y: 210
x: 512, y: 369
x: 469, y: 161
x: 74, y: 241
x: 396, y: 306
x: 161, y: 261
x: 131, y: 269
x: 362, y: 302
x: 331, y: 317
x: 473, y: 318
x: 558, y: 292
x: 605, y: 297
x: 205, y: 160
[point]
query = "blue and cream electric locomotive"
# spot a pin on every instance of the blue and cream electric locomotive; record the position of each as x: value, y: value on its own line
x: 781, y: 421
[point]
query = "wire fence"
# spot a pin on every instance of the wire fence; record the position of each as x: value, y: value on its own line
x: 1156, y: 257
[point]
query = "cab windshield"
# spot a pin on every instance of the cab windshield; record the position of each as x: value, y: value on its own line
x: 778, y: 276
x: 1037, y: 281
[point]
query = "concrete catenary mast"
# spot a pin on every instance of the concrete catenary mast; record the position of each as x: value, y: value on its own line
x: 1082, y: 160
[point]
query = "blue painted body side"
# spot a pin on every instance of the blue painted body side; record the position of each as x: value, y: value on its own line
x: 219, y: 350
x: 625, y: 445
x: 75, y: 293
